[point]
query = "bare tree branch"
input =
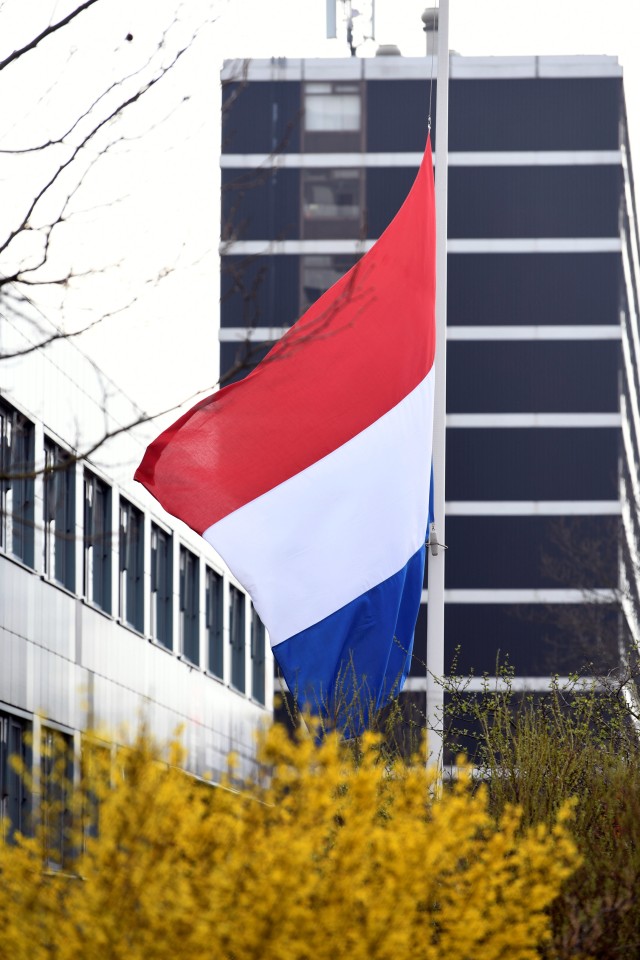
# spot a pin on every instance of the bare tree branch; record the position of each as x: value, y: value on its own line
x: 47, y: 32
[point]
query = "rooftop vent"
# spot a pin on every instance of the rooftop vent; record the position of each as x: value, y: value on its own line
x: 430, y: 21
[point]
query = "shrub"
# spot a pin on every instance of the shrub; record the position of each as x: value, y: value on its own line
x: 330, y: 852
x: 537, y: 751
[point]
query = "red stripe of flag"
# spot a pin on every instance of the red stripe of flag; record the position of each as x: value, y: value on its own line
x: 355, y: 354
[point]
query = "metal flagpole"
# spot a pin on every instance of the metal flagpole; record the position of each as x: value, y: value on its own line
x: 435, y: 603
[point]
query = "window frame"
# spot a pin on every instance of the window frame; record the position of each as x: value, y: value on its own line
x: 131, y: 565
x: 329, y: 221
x: 189, y: 606
x: 97, y: 543
x: 258, y: 657
x: 237, y: 638
x: 214, y: 622
x: 59, y: 516
x: 338, y: 139
x: 57, y: 768
x: 337, y: 264
x: 17, y: 474
x: 161, y: 587
x: 15, y: 798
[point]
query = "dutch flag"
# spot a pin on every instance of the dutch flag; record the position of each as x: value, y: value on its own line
x: 311, y: 476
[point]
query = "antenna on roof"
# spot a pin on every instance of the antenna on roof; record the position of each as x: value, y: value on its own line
x: 365, y: 28
x: 332, y: 25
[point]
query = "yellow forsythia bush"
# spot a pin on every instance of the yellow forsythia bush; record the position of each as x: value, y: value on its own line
x: 325, y: 856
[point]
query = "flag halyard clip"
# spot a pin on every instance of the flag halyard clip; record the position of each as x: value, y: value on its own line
x: 433, y: 543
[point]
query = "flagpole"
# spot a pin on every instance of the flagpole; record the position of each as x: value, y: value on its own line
x: 435, y: 603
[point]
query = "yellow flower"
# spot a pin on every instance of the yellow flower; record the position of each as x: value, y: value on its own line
x: 324, y: 855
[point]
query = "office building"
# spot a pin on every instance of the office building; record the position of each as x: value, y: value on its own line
x: 543, y: 416
x: 112, y: 613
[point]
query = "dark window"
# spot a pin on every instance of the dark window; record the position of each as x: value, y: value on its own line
x: 318, y: 273
x: 14, y: 796
x: 59, y: 516
x: 56, y: 786
x: 331, y: 203
x: 386, y: 191
x: 513, y: 288
x: 542, y: 201
x: 257, y: 657
x: 261, y: 117
x: 189, y: 585
x: 548, y: 113
x: 97, y: 542
x: 161, y: 587
x: 532, y: 376
x: 95, y: 767
x: 260, y: 204
x: 240, y: 358
x: 562, y: 463
x: 213, y: 623
x: 131, y: 565
x: 387, y: 124
x: 535, y: 640
x: 515, y: 114
x: 259, y: 291
x: 237, y: 637
x: 532, y: 552
x: 16, y: 484
x: 332, y: 117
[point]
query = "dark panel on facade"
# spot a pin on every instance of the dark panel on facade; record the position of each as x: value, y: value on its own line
x: 532, y: 552
x: 513, y: 114
x: 505, y: 202
x: 532, y: 464
x: 386, y: 191
x: 260, y: 204
x: 239, y: 359
x: 533, y: 288
x: 543, y: 201
x: 533, y: 639
x: 397, y: 114
x: 261, y: 117
x: 535, y: 114
x: 259, y: 291
x: 541, y: 376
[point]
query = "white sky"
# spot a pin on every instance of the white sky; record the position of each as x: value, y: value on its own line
x: 166, y: 184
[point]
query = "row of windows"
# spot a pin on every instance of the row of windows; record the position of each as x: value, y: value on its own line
x: 54, y: 778
x: 56, y: 766
x: 489, y: 289
x: 17, y: 528
x: 378, y: 115
x: 484, y: 202
x: 535, y: 639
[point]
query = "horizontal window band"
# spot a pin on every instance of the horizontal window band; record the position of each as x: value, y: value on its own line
x: 536, y: 245
x: 532, y: 508
x: 466, y: 684
x: 455, y: 246
x: 531, y: 420
x: 470, y: 684
x: 471, y: 158
x: 419, y: 68
x: 527, y: 596
x: 538, y: 332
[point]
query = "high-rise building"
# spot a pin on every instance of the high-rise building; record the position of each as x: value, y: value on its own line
x: 543, y: 419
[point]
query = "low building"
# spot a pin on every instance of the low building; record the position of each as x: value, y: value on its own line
x: 112, y: 613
